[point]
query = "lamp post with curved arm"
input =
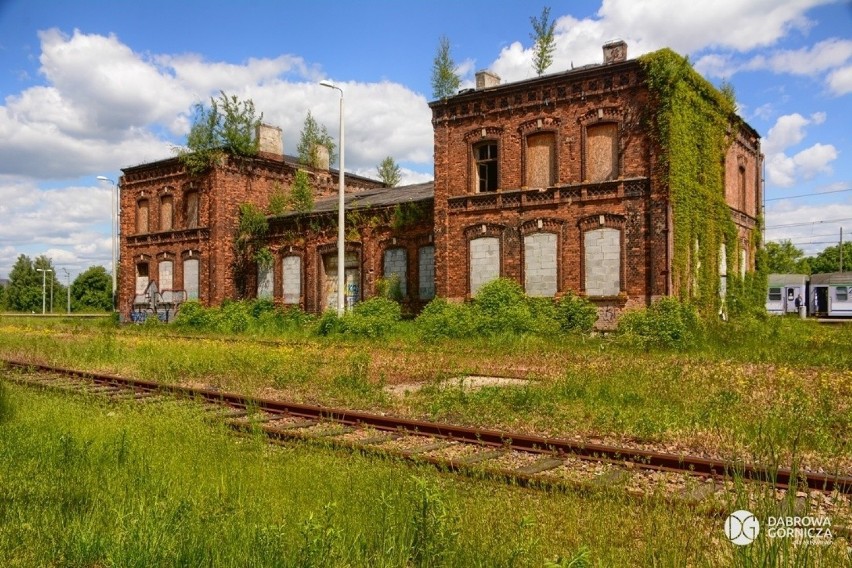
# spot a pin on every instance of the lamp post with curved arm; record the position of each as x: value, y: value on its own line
x: 341, y: 216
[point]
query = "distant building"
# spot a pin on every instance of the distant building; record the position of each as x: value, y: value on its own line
x: 560, y: 183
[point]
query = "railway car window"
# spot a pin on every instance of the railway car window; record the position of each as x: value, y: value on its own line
x: 790, y: 294
x: 841, y: 293
x: 775, y: 294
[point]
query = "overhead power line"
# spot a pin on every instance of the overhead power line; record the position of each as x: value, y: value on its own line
x: 808, y: 194
x: 810, y: 223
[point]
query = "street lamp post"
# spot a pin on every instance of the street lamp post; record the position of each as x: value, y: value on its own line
x: 341, y: 217
x: 68, y: 287
x: 44, y: 272
x: 112, y: 216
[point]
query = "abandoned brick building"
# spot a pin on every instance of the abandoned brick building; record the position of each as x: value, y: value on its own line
x: 569, y: 182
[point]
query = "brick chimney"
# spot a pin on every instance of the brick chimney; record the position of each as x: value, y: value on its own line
x: 270, y: 142
x: 615, y: 52
x: 486, y: 79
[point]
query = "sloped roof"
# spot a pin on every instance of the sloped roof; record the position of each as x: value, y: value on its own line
x: 370, y: 198
x: 842, y: 278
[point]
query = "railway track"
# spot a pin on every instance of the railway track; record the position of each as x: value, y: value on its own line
x: 520, y: 458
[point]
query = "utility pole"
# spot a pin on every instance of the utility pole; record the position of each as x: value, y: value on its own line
x: 841, y: 249
x: 44, y: 272
x: 68, y: 283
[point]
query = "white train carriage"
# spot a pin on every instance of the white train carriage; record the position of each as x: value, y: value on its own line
x: 783, y: 291
x: 831, y: 294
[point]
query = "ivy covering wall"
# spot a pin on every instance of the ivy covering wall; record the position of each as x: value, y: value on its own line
x: 693, y: 124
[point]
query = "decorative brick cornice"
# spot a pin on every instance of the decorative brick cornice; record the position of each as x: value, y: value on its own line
x: 602, y: 114
x: 543, y: 123
x: 483, y: 230
x: 543, y: 225
x: 601, y: 220
x: 484, y: 133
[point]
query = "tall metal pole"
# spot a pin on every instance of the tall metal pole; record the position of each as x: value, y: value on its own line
x: 44, y: 272
x: 341, y: 213
x: 112, y: 215
x: 68, y: 287
x: 841, y: 249
x: 51, y: 294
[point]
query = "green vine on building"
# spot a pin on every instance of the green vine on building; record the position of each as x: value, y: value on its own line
x: 693, y: 126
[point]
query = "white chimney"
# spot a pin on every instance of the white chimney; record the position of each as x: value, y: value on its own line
x: 486, y: 78
x: 615, y: 52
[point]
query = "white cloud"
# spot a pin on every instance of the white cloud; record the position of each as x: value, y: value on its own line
x: 840, y: 81
x: 812, y: 228
x: 784, y: 170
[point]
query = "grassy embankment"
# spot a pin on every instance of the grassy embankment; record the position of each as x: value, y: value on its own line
x: 85, y: 483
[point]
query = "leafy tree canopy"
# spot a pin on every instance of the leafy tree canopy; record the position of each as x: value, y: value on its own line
x: 228, y: 124
x: 445, y: 81
x: 388, y: 172
x: 92, y: 290
x: 24, y: 292
x: 829, y: 259
x: 545, y: 41
x: 784, y: 258
x: 313, y: 135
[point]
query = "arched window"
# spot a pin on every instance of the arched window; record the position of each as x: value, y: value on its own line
x: 540, y: 264
x: 601, y: 152
x: 602, y: 261
x: 166, y: 276
x: 484, y: 262
x: 166, y: 212
x: 142, y: 216
x: 396, y: 264
x: 190, y: 278
x: 264, y: 282
x: 540, y: 163
x: 486, y: 166
x: 191, y: 209
x: 291, y: 267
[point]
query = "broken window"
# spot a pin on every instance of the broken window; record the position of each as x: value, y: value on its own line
x: 723, y: 271
x: 166, y: 212
x: 741, y: 177
x: 541, y: 160
x: 486, y: 166
x: 190, y: 278
x: 141, y: 277
x: 601, y: 152
x: 264, y: 282
x: 142, y: 216
x: 191, y: 210
x: 291, y: 267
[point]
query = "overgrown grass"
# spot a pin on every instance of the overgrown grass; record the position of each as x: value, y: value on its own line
x: 87, y: 484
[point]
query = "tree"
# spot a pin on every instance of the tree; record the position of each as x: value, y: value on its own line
x: 228, y: 125
x: 302, y: 194
x: 388, y: 172
x: 24, y: 292
x: 545, y: 42
x: 784, y: 258
x: 445, y: 82
x: 829, y: 259
x: 92, y: 290
x: 313, y: 135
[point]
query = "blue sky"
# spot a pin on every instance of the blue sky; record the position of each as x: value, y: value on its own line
x: 89, y: 87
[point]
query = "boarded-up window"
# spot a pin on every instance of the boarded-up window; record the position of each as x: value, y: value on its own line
x: 166, y: 213
x: 485, y: 155
x: 601, y: 152
x: 142, y: 216
x: 141, y: 277
x: 541, y: 160
x: 741, y: 187
x: 264, y: 282
x: 191, y: 210
x: 291, y: 279
x: 723, y: 271
x: 190, y: 278
x: 743, y: 262
x: 166, y: 280
x: 540, y: 264
x: 396, y: 265
x: 602, y: 262
x: 426, y: 268
x: 484, y: 262
x: 351, y: 275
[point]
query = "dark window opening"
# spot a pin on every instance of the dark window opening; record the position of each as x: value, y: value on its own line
x: 486, y: 167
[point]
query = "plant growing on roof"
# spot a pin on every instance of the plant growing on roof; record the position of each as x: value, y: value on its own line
x: 445, y: 81
x: 313, y: 134
x: 227, y: 125
x: 388, y: 172
x: 302, y: 194
x: 545, y: 42
x: 248, y: 248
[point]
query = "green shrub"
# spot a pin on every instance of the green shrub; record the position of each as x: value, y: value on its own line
x: 6, y: 408
x: 441, y: 319
x: 329, y: 323
x: 233, y: 317
x: 575, y: 313
x: 544, y: 315
x: 501, y: 307
x: 193, y: 315
x: 389, y: 288
x: 667, y: 324
x: 375, y: 317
